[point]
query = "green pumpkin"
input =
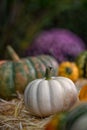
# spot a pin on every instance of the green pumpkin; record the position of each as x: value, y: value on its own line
x: 32, y: 68
x: 12, y: 78
x: 81, y: 62
x: 15, y: 75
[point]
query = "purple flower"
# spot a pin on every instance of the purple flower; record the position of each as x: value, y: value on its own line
x: 60, y: 43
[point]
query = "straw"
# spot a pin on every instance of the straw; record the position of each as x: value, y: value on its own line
x: 14, y: 115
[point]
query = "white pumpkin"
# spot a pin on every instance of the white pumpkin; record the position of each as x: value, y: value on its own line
x: 44, y: 97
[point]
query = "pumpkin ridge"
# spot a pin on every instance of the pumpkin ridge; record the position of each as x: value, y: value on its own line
x: 13, y: 75
x: 12, y: 86
x: 29, y: 90
x: 31, y: 75
x: 50, y: 90
x: 52, y: 103
x: 20, y: 76
x: 63, y: 89
x: 28, y: 93
x: 38, y: 66
x: 29, y: 59
x: 48, y: 63
x: 43, y: 59
x: 38, y: 99
x: 8, y: 89
x: 69, y: 95
x: 45, y: 62
x: 50, y: 95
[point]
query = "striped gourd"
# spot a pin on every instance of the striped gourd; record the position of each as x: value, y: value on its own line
x: 15, y: 75
x: 32, y: 68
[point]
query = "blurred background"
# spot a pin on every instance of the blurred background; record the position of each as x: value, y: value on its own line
x: 22, y: 20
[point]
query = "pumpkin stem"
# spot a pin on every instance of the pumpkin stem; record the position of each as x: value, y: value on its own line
x: 15, y: 57
x: 13, y: 54
x: 48, y: 73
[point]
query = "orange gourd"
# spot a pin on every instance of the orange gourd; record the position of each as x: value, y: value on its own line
x: 57, y: 122
x: 83, y: 93
x: 69, y: 70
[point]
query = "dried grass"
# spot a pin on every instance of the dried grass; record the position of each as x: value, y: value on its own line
x: 14, y: 116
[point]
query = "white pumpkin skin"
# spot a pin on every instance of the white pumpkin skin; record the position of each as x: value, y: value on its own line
x: 46, y: 97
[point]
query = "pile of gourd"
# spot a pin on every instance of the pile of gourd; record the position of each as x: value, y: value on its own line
x: 48, y: 87
x: 44, y: 94
x: 75, y: 118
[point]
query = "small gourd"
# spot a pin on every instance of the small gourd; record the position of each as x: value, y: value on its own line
x: 48, y: 95
x: 57, y: 122
x: 69, y: 69
x: 83, y: 93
